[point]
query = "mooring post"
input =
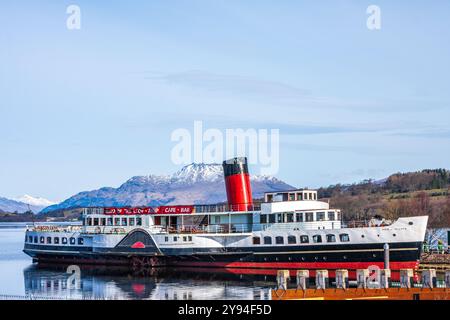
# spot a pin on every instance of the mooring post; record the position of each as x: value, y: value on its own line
x: 282, y: 279
x: 385, y: 278
x: 428, y: 278
x: 302, y: 279
x: 322, y: 279
x: 341, y: 279
x: 386, y: 256
x: 362, y: 276
x: 406, y: 278
x: 447, y: 278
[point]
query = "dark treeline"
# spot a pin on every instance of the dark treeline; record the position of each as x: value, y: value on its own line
x: 396, y: 183
x: 402, y: 194
x: 20, y: 217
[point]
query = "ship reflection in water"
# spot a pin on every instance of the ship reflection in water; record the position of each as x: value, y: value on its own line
x: 49, y: 282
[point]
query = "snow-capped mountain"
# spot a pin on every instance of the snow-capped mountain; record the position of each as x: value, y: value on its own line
x: 199, y: 173
x: 193, y: 184
x: 23, y: 204
x: 11, y: 206
x: 35, y: 201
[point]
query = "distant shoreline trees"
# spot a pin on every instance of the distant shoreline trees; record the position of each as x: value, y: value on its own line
x: 402, y: 194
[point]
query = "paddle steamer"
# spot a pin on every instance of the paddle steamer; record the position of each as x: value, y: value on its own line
x: 291, y: 229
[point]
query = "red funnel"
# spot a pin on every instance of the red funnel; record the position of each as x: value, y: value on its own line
x: 237, y: 182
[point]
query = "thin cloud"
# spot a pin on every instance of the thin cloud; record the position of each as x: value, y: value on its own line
x: 235, y: 85
x: 439, y: 134
x: 282, y: 94
x: 373, y: 151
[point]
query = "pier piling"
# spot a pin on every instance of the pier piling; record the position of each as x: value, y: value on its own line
x: 342, y: 279
x: 282, y: 279
x: 302, y: 279
x: 447, y: 279
x: 385, y: 278
x: 406, y: 278
x: 322, y: 279
x: 362, y: 278
x: 429, y: 279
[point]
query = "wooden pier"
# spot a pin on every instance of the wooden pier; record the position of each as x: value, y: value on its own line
x: 363, y: 294
x: 369, y: 286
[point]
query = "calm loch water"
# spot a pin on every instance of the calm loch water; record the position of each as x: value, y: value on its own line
x: 20, y: 277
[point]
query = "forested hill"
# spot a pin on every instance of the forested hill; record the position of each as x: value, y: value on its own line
x: 402, y: 194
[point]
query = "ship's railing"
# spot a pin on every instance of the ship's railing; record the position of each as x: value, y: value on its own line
x: 276, y: 226
x: 198, y: 208
x: 119, y: 230
x: 297, y: 226
x: 47, y: 228
x: 365, y: 223
x: 207, y: 208
x: 212, y: 228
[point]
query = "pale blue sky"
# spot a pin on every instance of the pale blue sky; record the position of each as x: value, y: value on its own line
x: 90, y: 108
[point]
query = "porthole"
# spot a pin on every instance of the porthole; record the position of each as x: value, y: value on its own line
x: 315, y: 258
x: 303, y: 258
x: 345, y: 257
x: 411, y: 223
x: 362, y: 236
x: 394, y: 235
x: 324, y: 258
x: 374, y: 255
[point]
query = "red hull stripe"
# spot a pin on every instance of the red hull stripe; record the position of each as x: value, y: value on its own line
x: 252, y: 268
x: 300, y: 265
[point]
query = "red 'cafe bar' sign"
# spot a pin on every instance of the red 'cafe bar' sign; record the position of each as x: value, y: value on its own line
x: 175, y: 209
x: 150, y: 210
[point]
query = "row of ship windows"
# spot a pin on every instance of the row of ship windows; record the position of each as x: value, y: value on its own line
x: 54, y: 240
x: 330, y: 238
x: 297, y: 196
x: 299, y: 217
x: 114, y: 222
x: 175, y: 239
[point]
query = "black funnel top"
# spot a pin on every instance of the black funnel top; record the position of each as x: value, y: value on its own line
x: 235, y: 166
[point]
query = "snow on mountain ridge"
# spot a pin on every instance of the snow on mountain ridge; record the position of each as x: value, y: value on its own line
x: 192, y: 173
x: 11, y: 206
x: 199, y: 172
x: 35, y: 201
x: 149, y: 179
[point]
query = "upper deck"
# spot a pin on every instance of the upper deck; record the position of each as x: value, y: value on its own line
x: 281, y: 210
